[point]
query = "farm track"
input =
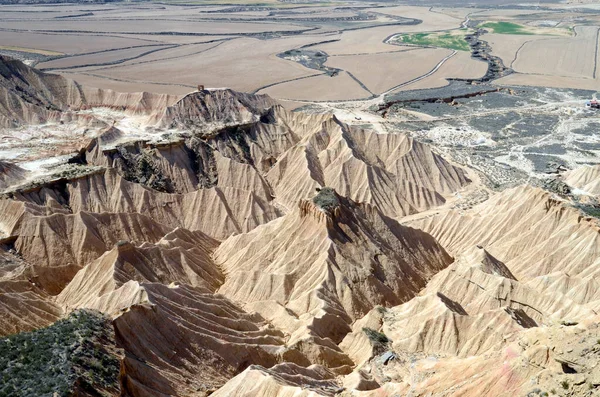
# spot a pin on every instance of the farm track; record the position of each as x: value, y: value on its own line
x: 109, y: 63
x: 171, y: 58
x: 376, y: 98
x: 431, y: 72
x: 256, y: 91
x: 360, y: 83
x: 374, y: 53
x: 136, y: 81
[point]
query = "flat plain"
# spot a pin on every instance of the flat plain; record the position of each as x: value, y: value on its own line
x: 347, y: 51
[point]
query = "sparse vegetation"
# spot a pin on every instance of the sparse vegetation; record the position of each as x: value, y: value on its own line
x: 377, y: 338
x: 73, y: 351
x: 590, y: 210
x: 142, y: 168
x: 564, y: 384
x: 506, y: 28
x: 381, y: 309
x: 442, y: 40
x: 326, y: 199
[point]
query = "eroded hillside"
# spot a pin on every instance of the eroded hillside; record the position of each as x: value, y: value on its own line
x: 240, y: 249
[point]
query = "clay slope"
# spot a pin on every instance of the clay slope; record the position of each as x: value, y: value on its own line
x: 266, y: 166
x: 209, y: 110
x: 477, y: 328
x: 24, y: 306
x: 217, y: 211
x: 392, y: 171
x: 280, y: 381
x: 586, y: 179
x: 185, y: 341
x: 57, y: 246
x: 317, y: 269
x: 526, y: 228
x: 455, y: 313
x: 111, y: 282
x: 236, y: 155
x: 29, y: 96
x: 240, y: 249
x: 10, y: 174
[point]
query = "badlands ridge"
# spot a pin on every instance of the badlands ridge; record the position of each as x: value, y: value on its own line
x: 240, y: 249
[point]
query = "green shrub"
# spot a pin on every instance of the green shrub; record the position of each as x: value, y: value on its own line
x: 50, y: 360
x: 326, y: 199
x: 377, y: 338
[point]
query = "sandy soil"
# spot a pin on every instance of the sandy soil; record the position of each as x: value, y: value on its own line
x: 249, y: 64
x: 360, y: 41
x: 380, y: 72
x: 506, y: 46
x: 290, y: 105
x: 498, y: 14
x: 549, y: 81
x: 67, y: 43
x: 319, y: 88
x: 459, y: 66
x: 431, y: 20
x: 564, y: 57
x: 124, y: 86
x: 169, y: 54
x: 460, y: 13
x: 243, y: 64
x: 8, y: 15
x: 172, y: 39
x: 103, y: 57
x: 141, y: 26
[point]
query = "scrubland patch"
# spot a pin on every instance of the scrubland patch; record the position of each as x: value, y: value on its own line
x: 501, y: 27
x: 451, y: 40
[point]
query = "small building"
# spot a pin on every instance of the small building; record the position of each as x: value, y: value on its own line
x: 594, y: 104
x: 200, y: 87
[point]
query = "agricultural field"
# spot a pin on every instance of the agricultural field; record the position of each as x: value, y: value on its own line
x: 505, y: 28
x: 374, y: 72
x: 320, y: 87
x: 367, y: 50
x: 510, y: 28
x: 559, y: 62
x: 453, y: 40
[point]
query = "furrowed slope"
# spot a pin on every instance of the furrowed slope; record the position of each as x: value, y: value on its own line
x: 57, y: 246
x: 525, y: 228
x: 186, y: 340
x: 111, y: 282
x: 586, y: 179
x: 33, y: 97
x: 24, y: 306
x: 10, y: 174
x: 392, y: 171
x: 315, y: 270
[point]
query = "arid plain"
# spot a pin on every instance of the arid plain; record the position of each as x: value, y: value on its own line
x: 171, y: 48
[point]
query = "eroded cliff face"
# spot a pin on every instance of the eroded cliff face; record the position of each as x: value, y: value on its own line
x: 244, y: 250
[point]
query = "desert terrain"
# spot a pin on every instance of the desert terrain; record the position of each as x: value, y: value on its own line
x: 350, y: 199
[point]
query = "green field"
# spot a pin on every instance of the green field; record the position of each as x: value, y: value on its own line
x: 506, y: 28
x: 442, y: 40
